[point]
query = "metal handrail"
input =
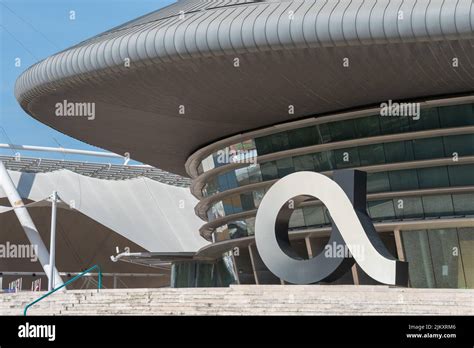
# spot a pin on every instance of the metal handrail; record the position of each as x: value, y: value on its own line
x: 65, y: 284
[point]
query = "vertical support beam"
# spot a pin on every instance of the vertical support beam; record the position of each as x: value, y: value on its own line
x: 236, y: 268
x: 399, y: 244
x: 252, y: 261
x: 52, y: 242
x: 26, y: 222
x: 355, y: 274
x: 115, y: 281
x: 309, y: 248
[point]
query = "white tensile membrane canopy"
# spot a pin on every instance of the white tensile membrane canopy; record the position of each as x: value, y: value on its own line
x: 153, y: 215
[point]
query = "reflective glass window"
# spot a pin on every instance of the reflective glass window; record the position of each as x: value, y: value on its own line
x: 441, y: 205
x: 242, y: 176
x: 403, y: 180
x: 367, y: 126
x: 371, y: 154
x: 237, y: 229
x: 237, y: 204
x: 204, y: 275
x: 222, y: 233
x: 221, y: 158
x: 228, y: 206
x: 378, y: 182
x: 216, y: 211
x: 208, y: 163
x: 418, y: 255
x: 264, y: 145
x: 461, y: 175
x: 280, y: 141
x: 399, y: 151
x: 231, y: 180
x: 269, y: 171
x: 222, y: 182
x: 301, y: 137
x: 408, y: 207
x: 447, y: 264
x: 382, y: 209
x: 323, y: 133
x: 342, y: 130
x: 346, y: 158
x: 456, y: 115
x: 463, y: 145
x: 323, y: 161
x: 463, y: 204
x: 466, y: 243
x: 428, y: 120
x: 433, y: 177
x: 391, y: 124
x: 255, y: 174
x: 313, y: 215
x: 248, y: 145
x: 257, y: 197
x: 211, y: 187
x: 247, y: 201
x: 304, y: 162
x: 428, y: 148
x: 296, y: 219
x: 285, y: 166
x: 183, y: 274
x: 250, y: 226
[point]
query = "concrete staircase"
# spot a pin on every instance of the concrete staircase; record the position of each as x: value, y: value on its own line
x: 248, y: 300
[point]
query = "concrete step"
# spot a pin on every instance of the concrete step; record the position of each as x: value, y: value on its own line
x: 247, y: 300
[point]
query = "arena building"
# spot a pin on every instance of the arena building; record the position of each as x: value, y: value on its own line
x: 237, y: 94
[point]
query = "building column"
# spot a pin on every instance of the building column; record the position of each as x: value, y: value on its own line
x: 252, y: 261
x: 399, y: 244
x: 27, y: 223
x: 236, y: 269
x: 309, y: 248
x: 355, y: 274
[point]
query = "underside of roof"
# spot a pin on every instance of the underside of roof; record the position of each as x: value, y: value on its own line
x: 205, y: 70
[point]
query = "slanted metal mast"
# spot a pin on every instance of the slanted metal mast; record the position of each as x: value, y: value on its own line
x: 27, y: 224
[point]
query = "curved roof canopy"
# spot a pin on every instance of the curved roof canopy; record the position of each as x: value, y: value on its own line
x: 204, y: 70
x: 155, y: 216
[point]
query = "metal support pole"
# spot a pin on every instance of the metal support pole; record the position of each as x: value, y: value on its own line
x: 26, y: 222
x: 52, y: 243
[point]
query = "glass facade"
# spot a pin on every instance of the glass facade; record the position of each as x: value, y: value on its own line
x: 197, y: 274
x: 368, y: 155
x: 393, y: 209
x: 411, y: 179
x: 440, y: 258
x: 363, y: 127
x: 426, y: 161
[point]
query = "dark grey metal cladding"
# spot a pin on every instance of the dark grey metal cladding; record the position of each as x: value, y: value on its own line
x: 283, y: 62
x: 354, y: 184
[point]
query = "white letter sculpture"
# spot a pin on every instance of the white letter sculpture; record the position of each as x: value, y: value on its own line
x: 345, y: 199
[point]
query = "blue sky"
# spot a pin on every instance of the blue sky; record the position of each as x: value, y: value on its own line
x: 35, y: 29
